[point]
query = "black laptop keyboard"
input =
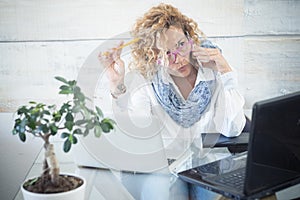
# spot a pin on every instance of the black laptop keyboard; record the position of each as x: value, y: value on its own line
x: 233, y: 179
x: 212, y: 168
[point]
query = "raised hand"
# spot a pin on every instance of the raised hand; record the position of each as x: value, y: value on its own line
x: 114, y: 66
x: 211, y: 58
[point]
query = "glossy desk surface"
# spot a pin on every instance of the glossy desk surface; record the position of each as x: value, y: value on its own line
x: 101, y: 183
x: 110, y: 184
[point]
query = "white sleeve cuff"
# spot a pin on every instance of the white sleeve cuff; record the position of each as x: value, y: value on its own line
x: 229, y: 80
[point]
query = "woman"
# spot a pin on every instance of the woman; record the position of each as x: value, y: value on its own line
x: 189, y: 84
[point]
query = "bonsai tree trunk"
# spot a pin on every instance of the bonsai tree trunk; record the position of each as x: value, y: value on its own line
x: 50, y: 164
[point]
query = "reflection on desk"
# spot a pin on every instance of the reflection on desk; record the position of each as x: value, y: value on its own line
x: 109, y: 184
x: 106, y: 184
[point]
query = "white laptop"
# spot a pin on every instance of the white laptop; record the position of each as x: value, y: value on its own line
x: 127, y: 148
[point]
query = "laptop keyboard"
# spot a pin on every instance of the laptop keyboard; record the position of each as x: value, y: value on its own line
x: 212, y: 168
x: 233, y: 179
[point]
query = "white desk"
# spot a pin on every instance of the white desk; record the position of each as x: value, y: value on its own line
x: 101, y: 184
x: 106, y: 184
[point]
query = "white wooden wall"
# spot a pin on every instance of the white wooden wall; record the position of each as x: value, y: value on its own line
x: 42, y: 39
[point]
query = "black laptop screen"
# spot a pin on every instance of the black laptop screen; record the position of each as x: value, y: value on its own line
x: 274, y: 154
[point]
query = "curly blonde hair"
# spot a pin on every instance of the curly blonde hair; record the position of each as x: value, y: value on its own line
x: 149, y: 27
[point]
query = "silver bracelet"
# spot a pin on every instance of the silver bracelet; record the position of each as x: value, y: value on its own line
x: 121, y: 89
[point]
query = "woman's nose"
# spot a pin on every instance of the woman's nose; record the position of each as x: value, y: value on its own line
x: 179, y: 58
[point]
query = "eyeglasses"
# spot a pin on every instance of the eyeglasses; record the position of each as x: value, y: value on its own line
x: 183, y: 49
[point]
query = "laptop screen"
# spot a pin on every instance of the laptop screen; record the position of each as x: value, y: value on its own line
x: 274, y: 153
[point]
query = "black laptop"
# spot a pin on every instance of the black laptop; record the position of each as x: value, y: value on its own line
x: 272, y: 161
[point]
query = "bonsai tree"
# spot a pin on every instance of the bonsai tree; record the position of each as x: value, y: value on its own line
x: 71, y: 120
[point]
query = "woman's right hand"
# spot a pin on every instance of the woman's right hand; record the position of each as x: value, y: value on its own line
x: 114, y: 65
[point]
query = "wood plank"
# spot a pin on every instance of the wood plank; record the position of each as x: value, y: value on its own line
x: 21, y: 61
x: 272, y: 67
x: 27, y: 69
x: 66, y: 20
x: 266, y: 67
x: 98, y: 19
x: 273, y: 17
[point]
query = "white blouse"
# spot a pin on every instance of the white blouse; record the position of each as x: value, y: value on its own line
x: 224, y: 113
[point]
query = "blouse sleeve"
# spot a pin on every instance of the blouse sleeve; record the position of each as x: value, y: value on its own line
x: 136, y: 101
x: 229, y: 114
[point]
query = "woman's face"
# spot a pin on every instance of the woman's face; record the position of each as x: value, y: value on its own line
x: 177, y: 48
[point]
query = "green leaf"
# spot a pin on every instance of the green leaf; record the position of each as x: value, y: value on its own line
x: 32, y: 102
x: 69, y: 117
x: 31, y: 124
x: 53, y: 129
x: 86, y: 132
x: 61, y: 79
x: 21, y: 127
x: 81, y: 121
x: 80, y: 96
x: 22, y: 110
x: 108, y: 123
x: 34, y: 114
x: 44, y: 128
x: 97, y: 131
x: 17, y: 121
x: 77, y: 89
x: 76, y: 108
x: 86, y: 113
x: 67, y: 145
x: 77, y: 131
x: 105, y: 127
x: 90, y: 125
x: 72, y: 83
x: 45, y: 120
x: 46, y: 112
x: 75, y: 140
x: 69, y: 125
x: 65, y: 135
x: 65, y: 107
x: 40, y: 106
x: 14, y: 132
x: 99, y: 111
x: 22, y: 137
x: 51, y: 106
x: 65, y: 87
x: 66, y: 92
x: 56, y: 116
x: 72, y: 139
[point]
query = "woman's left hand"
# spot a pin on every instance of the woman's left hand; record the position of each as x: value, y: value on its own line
x: 211, y: 58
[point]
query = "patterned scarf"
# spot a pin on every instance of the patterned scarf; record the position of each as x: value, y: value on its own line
x: 183, y: 112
